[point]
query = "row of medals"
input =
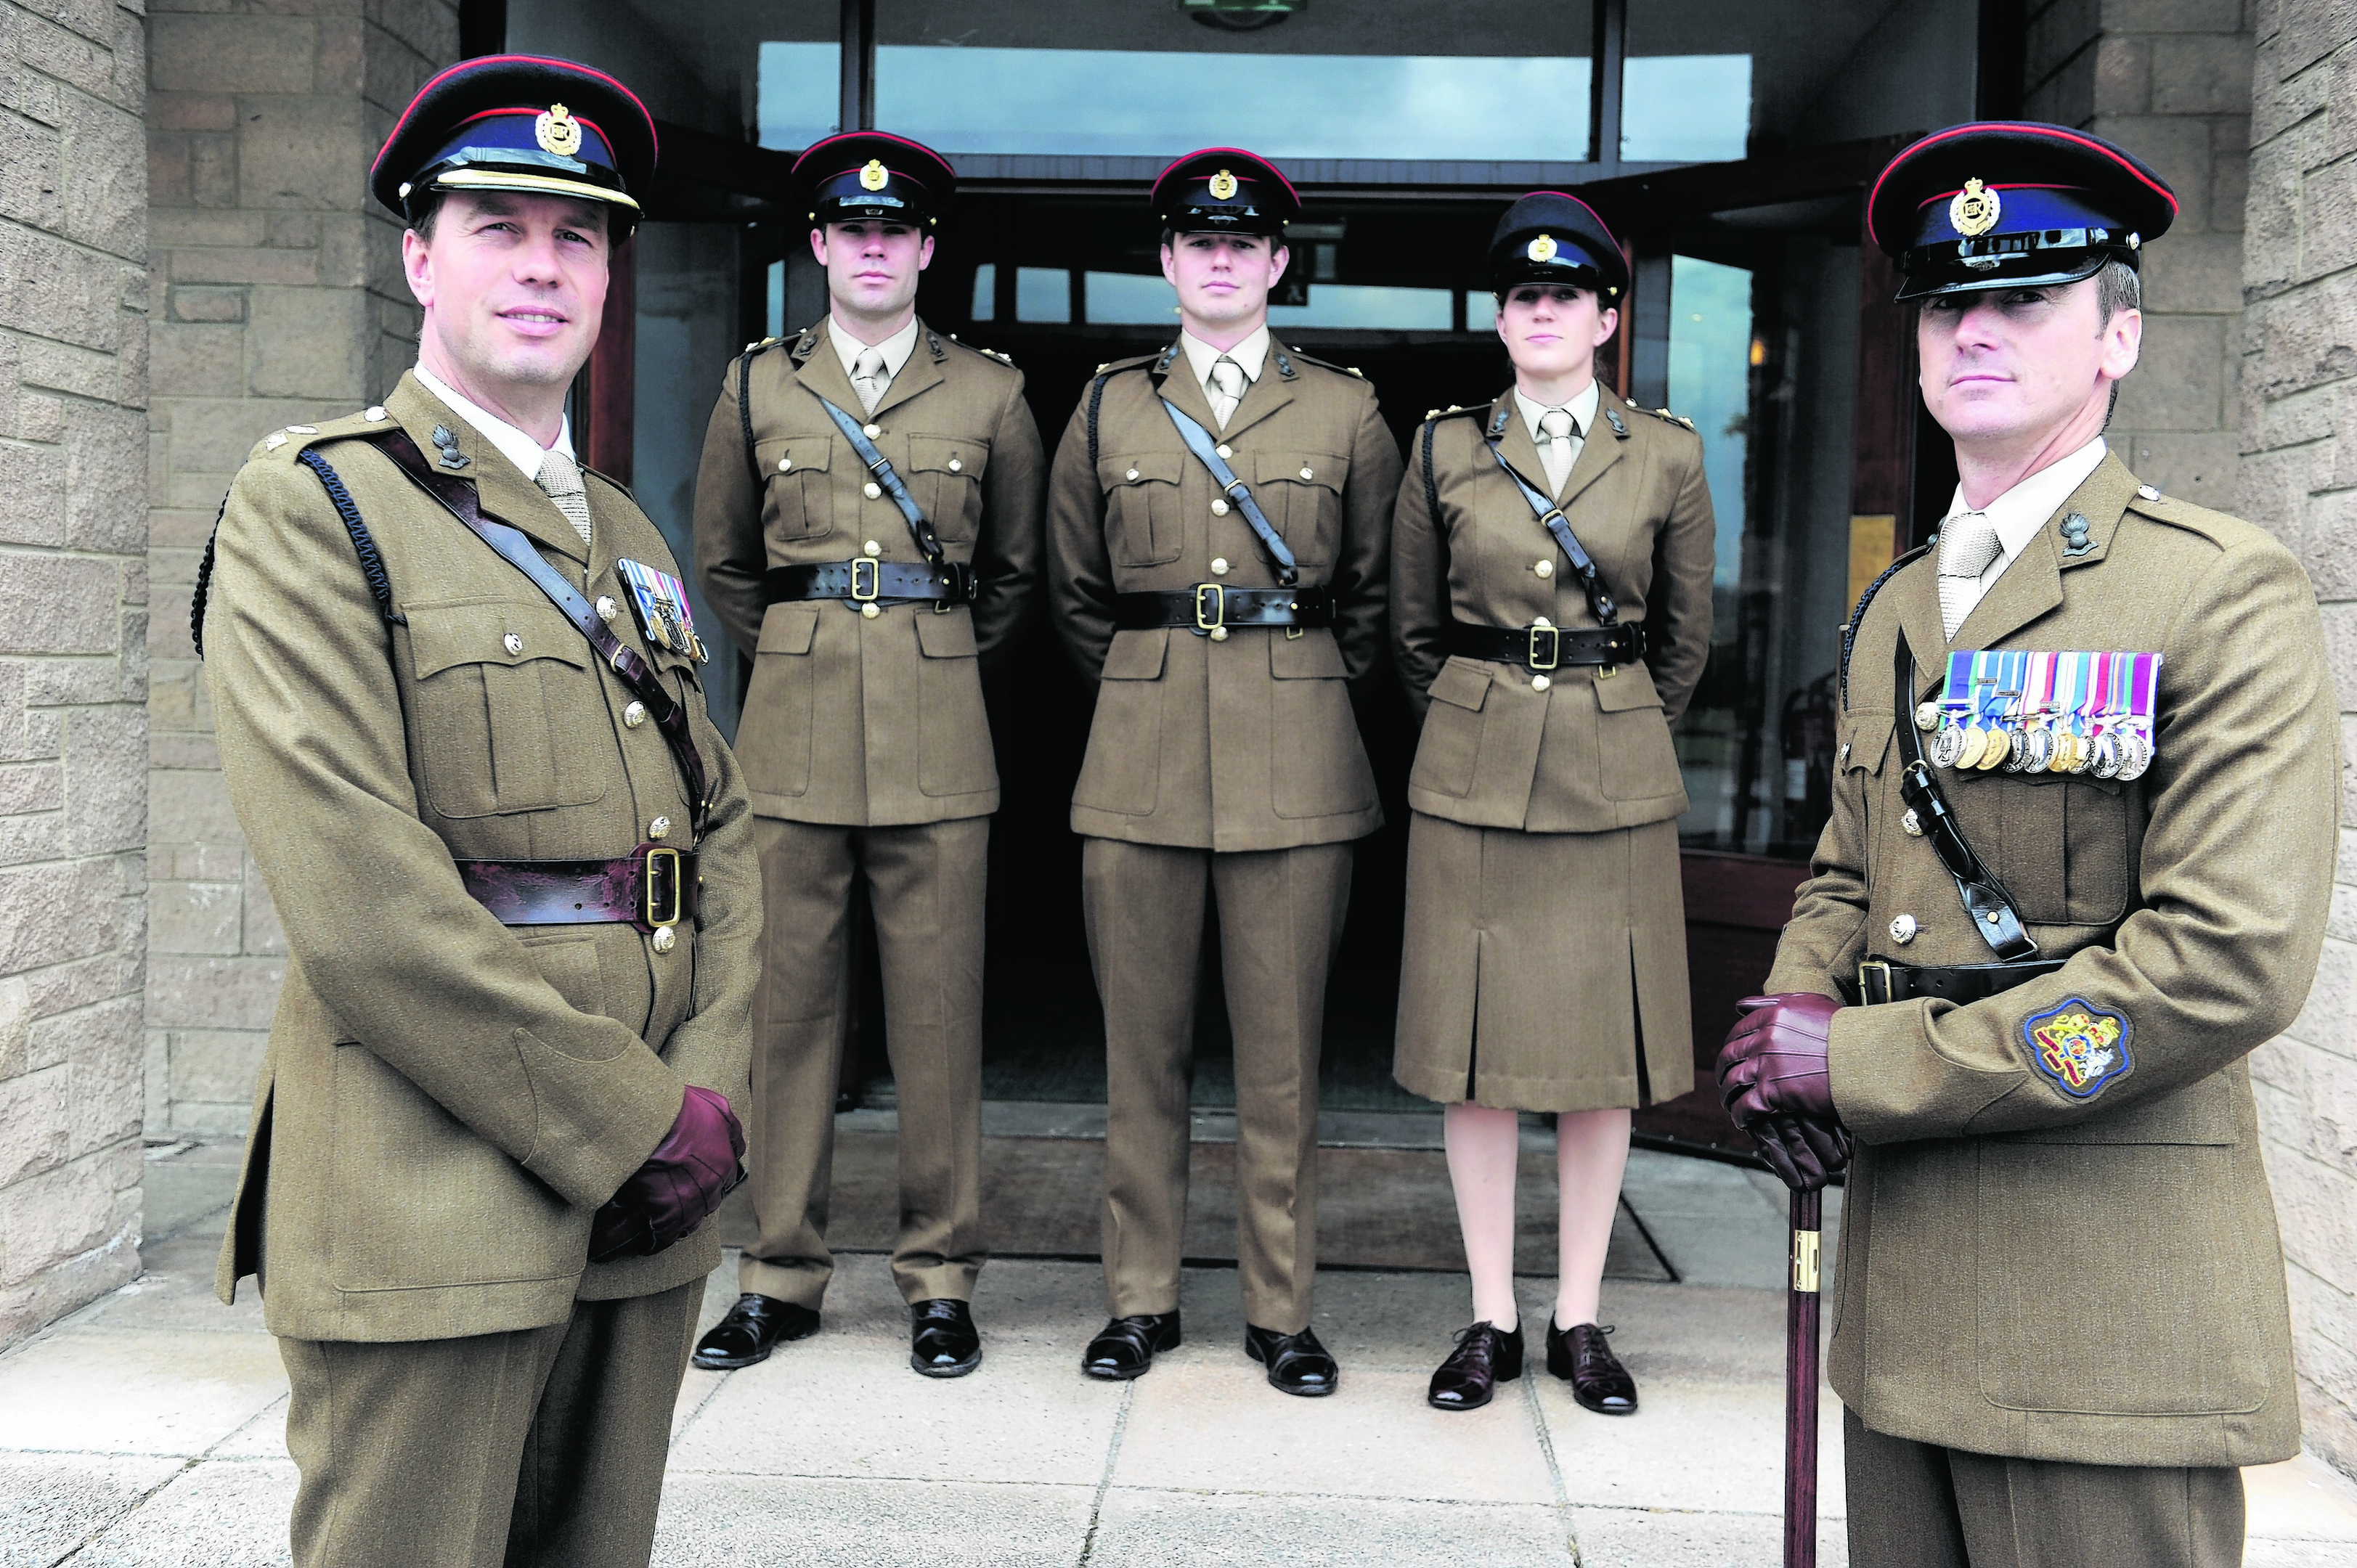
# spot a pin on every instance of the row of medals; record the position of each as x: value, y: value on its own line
x: 2120, y: 750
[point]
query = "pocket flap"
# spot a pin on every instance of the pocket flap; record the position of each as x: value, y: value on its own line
x: 1630, y: 686
x: 476, y: 631
x: 796, y: 452
x: 1312, y: 656
x: 943, y: 635
x: 1322, y: 468
x: 1137, y: 655
x: 947, y: 454
x: 788, y: 628
x: 1863, y: 738
x: 1141, y: 468
x: 1463, y: 682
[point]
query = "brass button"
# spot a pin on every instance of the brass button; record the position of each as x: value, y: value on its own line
x: 871, y: 431
x: 1219, y: 506
x: 374, y: 415
x: 1132, y: 475
x: 784, y: 464
x: 1544, y: 568
x: 872, y: 489
x: 607, y: 609
x: 1542, y: 621
x: 1218, y: 634
x: 634, y: 716
x: 1220, y: 566
x: 869, y: 612
x: 1307, y: 474
x: 1541, y: 682
x: 512, y: 643
x: 659, y: 828
x: 872, y: 548
x: 1225, y: 451
x: 1902, y: 929
x: 666, y: 939
x: 956, y: 467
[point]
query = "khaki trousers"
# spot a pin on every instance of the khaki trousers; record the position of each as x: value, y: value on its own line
x: 925, y: 884
x: 544, y: 1447
x: 1280, y: 915
x: 1916, y: 1504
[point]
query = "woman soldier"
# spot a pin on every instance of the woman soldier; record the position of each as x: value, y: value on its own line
x: 1551, y: 582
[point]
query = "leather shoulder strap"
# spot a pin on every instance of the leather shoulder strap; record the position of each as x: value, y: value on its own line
x: 928, y: 543
x: 1198, y: 441
x: 1551, y: 518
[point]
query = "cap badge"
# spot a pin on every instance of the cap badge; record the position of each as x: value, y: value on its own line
x: 1974, y: 210
x: 1223, y: 185
x: 557, y: 131
x: 1543, y: 248
x: 874, y: 176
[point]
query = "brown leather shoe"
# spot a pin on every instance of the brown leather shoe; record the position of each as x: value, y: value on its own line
x: 1123, y: 1348
x: 1483, y: 1359
x: 1599, y: 1382
x: 754, y: 1327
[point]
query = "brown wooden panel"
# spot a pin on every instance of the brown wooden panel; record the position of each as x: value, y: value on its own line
x: 1882, y: 423
x: 608, y: 396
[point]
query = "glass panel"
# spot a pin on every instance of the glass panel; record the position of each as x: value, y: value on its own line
x: 1043, y: 293
x: 1367, y: 305
x: 733, y: 68
x: 1129, y: 299
x: 986, y: 291
x: 1373, y: 79
x: 1480, y: 311
x: 1685, y: 109
x: 801, y: 93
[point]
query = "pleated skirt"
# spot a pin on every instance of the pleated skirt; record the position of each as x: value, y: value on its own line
x: 1543, y: 972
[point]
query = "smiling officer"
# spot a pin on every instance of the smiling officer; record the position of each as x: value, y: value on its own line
x: 2077, y: 870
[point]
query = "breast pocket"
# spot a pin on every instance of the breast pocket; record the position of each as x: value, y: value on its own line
x: 1301, y: 493
x: 797, y: 472
x: 504, y: 695
x: 1143, y: 527
x: 945, y: 477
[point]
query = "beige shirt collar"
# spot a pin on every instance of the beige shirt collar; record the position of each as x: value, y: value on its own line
x: 513, y: 444
x: 2021, y: 511
x: 1582, y: 410
x: 895, y: 348
x: 1251, y: 355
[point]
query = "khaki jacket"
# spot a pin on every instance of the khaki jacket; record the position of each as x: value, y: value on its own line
x: 1591, y: 752
x: 1247, y: 744
x: 2023, y: 1272
x: 863, y: 722
x: 445, y: 1101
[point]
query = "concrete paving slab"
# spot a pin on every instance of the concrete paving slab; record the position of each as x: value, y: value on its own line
x: 736, y: 1521
x: 216, y: 1515
x: 54, y: 1502
x: 1696, y: 1446
x: 263, y: 1437
x: 1220, y: 1427
x: 1652, y: 1538
x: 188, y: 1186
x: 1181, y: 1530
x: 176, y: 1292
x: 150, y: 1392
x: 2301, y: 1499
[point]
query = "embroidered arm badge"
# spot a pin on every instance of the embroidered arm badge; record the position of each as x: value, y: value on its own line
x: 2079, y: 1047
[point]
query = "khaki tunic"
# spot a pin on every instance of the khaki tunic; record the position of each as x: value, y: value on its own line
x: 2021, y: 1273
x: 1247, y: 744
x: 848, y: 720
x: 445, y: 1101
x: 1543, y: 963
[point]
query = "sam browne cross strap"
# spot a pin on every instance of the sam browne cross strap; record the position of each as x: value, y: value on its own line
x: 866, y: 581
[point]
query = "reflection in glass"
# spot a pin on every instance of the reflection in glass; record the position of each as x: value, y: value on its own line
x: 1043, y: 293
x: 1686, y: 108
x: 793, y: 115
x: 1367, y: 305
x: 1128, y: 299
x: 986, y: 291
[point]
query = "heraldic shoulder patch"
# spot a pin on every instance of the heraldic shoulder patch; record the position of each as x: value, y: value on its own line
x: 2079, y: 1047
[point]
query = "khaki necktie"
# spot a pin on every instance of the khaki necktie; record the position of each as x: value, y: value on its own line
x: 869, y: 379
x: 561, y: 478
x: 1227, y: 388
x: 1968, y: 543
x: 1557, y: 451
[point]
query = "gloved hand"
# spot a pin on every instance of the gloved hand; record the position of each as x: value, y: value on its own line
x: 1775, y: 1083
x: 695, y: 1166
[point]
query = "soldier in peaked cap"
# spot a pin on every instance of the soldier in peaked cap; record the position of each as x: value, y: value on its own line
x: 1551, y: 581
x: 1216, y: 562
x: 2077, y: 870
x: 462, y: 720
x: 867, y: 521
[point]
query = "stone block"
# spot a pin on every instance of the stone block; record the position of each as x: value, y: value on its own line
x: 2179, y: 146
x: 207, y: 1118
x: 305, y: 153
x: 201, y: 303
x: 219, y: 1066
x: 156, y: 1076
x: 2199, y: 467
x: 200, y: 361
x: 264, y: 934
x: 2331, y: 1083
x: 2123, y: 82
x: 2067, y: 97
x: 32, y: 495
x: 33, y: 1123
x: 2194, y: 73
x: 2317, y: 1207
x: 15, y: 1026
x: 70, y: 57
x: 31, y: 788
x: 65, y: 988
x: 32, y: 185
x: 190, y: 112
x: 343, y: 249
x: 2180, y: 384
x: 2230, y: 176
x: 213, y: 993
x: 49, y: 1218
x: 2173, y: 15
x: 2277, y: 102
x: 2312, y: 30
x: 256, y: 266
x: 2058, y: 35
x: 196, y: 810
x: 193, y: 918
x: 220, y: 54
x: 64, y: 605
x: 171, y: 753
x: 106, y: 779
x: 2194, y: 272
x: 2327, y: 544
x: 2283, y: 1113
x: 212, y: 170
x: 50, y: 289
x: 106, y: 465
x: 104, y: 148
x: 2311, y: 342
x: 307, y: 342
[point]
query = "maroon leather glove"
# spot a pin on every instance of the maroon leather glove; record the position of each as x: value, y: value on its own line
x: 695, y: 1166
x: 1775, y: 1084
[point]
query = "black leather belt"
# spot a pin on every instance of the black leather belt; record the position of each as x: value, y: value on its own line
x: 1545, y: 647
x: 1881, y: 981
x: 867, y: 581
x: 1210, y: 609
x: 652, y: 887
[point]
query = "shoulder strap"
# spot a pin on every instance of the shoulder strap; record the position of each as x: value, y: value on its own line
x: 371, y: 563
x: 1858, y: 616
x: 1993, y: 913
x: 1551, y: 518
x: 928, y: 542
x: 1198, y: 441
x: 457, y: 495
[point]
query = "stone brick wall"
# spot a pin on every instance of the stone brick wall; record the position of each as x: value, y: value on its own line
x: 73, y: 655
x: 276, y: 294
x: 2299, y: 344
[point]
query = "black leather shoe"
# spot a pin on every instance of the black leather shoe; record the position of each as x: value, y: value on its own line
x: 1599, y: 1382
x: 1483, y: 1358
x: 943, y: 1340
x: 754, y: 1327
x: 1297, y: 1363
x: 1123, y: 1348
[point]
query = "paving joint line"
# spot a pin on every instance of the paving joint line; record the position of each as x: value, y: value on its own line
x: 1104, y: 1482
x: 1530, y: 1381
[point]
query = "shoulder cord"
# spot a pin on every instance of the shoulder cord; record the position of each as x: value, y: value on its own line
x: 371, y: 563
x: 1096, y: 400
x: 1858, y: 616
x: 745, y: 417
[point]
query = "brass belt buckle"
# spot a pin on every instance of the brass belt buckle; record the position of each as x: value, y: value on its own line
x: 1554, y: 648
x: 1877, y: 970
x: 662, y: 878
x: 874, y: 579
x: 1217, y: 596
